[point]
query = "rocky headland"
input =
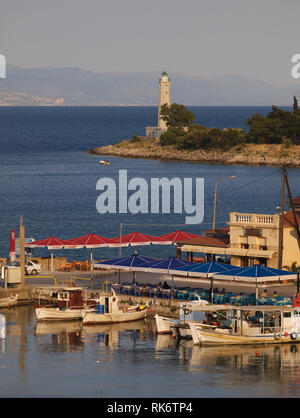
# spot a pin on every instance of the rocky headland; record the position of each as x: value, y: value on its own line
x: 245, y: 154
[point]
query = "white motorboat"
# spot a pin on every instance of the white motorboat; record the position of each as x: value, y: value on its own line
x: 104, y: 162
x: 187, y: 312
x: 70, y: 303
x: 9, y: 301
x: 107, y: 311
x: 225, y: 324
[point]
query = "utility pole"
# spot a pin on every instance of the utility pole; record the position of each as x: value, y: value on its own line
x: 22, y: 251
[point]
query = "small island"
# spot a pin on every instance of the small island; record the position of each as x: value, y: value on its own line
x: 271, y: 140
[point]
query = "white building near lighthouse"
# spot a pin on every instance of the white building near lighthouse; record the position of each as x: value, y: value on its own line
x: 164, y: 98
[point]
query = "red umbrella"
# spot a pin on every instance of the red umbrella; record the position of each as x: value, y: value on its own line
x: 51, y: 243
x: 173, y: 237
x: 135, y: 238
x: 88, y: 241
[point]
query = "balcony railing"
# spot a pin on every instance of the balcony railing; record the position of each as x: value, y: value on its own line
x: 247, y: 218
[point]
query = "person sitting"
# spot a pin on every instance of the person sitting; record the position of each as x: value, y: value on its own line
x: 274, y: 296
x: 166, y: 286
x: 264, y: 294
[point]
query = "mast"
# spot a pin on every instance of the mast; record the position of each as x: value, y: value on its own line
x: 280, y: 240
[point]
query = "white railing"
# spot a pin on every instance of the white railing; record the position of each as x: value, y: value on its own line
x: 247, y: 218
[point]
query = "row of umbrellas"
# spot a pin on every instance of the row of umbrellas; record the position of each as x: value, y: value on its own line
x: 97, y: 241
x: 175, y: 266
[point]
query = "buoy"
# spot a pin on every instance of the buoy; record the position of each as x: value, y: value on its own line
x: 256, y: 353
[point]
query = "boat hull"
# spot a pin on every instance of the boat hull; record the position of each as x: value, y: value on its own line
x: 55, y: 314
x: 93, y: 317
x: 8, y: 302
x: 164, y: 325
x: 219, y: 337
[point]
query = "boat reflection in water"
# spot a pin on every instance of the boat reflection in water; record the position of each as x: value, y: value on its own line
x: 273, y: 361
x: 72, y: 333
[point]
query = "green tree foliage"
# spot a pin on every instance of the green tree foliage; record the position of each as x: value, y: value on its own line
x: 176, y: 115
x: 278, y: 127
x: 275, y: 128
x: 186, y: 135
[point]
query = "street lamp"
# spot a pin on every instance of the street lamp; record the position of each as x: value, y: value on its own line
x: 215, y: 201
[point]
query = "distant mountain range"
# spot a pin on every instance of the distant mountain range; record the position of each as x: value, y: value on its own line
x: 75, y: 86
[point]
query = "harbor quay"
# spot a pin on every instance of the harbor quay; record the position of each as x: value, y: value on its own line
x: 42, y: 289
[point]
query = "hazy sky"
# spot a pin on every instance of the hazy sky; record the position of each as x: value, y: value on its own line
x: 254, y: 38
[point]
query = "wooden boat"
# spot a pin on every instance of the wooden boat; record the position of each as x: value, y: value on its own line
x: 8, y: 302
x: 70, y: 303
x: 226, y: 324
x: 108, y: 312
x: 187, y: 313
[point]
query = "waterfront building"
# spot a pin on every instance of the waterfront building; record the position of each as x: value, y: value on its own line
x: 164, y: 98
x: 250, y: 238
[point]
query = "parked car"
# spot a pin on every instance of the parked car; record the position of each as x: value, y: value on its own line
x: 33, y: 268
x: 30, y: 268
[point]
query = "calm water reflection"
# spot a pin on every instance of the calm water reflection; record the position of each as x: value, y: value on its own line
x: 128, y: 360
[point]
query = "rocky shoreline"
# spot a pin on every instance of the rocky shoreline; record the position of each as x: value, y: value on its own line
x: 246, y: 154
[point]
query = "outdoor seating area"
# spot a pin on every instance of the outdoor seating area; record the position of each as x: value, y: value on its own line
x: 189, y: 294
x: 76, y: 266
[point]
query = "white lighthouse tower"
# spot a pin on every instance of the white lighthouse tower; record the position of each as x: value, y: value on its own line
x: 164, y: 98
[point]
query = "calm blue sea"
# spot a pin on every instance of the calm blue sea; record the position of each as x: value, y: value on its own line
x: 47, y: 175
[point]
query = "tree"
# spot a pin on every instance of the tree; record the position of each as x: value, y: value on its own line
x: 295, y: 106
x: 176, y: 115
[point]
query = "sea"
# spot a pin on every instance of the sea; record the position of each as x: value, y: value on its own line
x: 48, y: 177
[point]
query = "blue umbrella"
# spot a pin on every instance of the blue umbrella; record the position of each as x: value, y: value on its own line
x: 203, y: 269
x: 164, y: 266
x: 124, y: 263
x: 256, y: 272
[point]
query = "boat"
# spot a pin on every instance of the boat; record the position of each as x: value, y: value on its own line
x: 70, y: 303
x: 9, y: 301
x: 107, y: 311
x: 179, y: 327
x: 227, y: 324
x: 104, y: 162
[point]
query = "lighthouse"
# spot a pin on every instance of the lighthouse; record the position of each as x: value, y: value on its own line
x: 164, y: 98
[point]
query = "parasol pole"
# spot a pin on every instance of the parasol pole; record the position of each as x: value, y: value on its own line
x: 51, y: 261
x: 91, y: 259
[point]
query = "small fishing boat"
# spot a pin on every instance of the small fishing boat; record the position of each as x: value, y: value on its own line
x: 9, y: 301
x: 226, y: 324
x: 70, y: 304
x: 104, y: 162
x: 179, y: 327
x: 107, y: 311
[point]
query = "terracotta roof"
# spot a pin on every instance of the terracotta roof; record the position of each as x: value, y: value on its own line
x: 288, y: 219
x: 207, y: 241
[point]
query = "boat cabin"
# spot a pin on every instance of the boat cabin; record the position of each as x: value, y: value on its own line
x: 252, y: 320
x: 74, y: 298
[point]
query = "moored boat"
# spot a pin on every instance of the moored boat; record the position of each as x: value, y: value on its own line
x: 104, y: 162
x: 187, y: 312
x: 9, y: 301
x: 107, y: 311
x: 225, y: 324
x: 70, y: 304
